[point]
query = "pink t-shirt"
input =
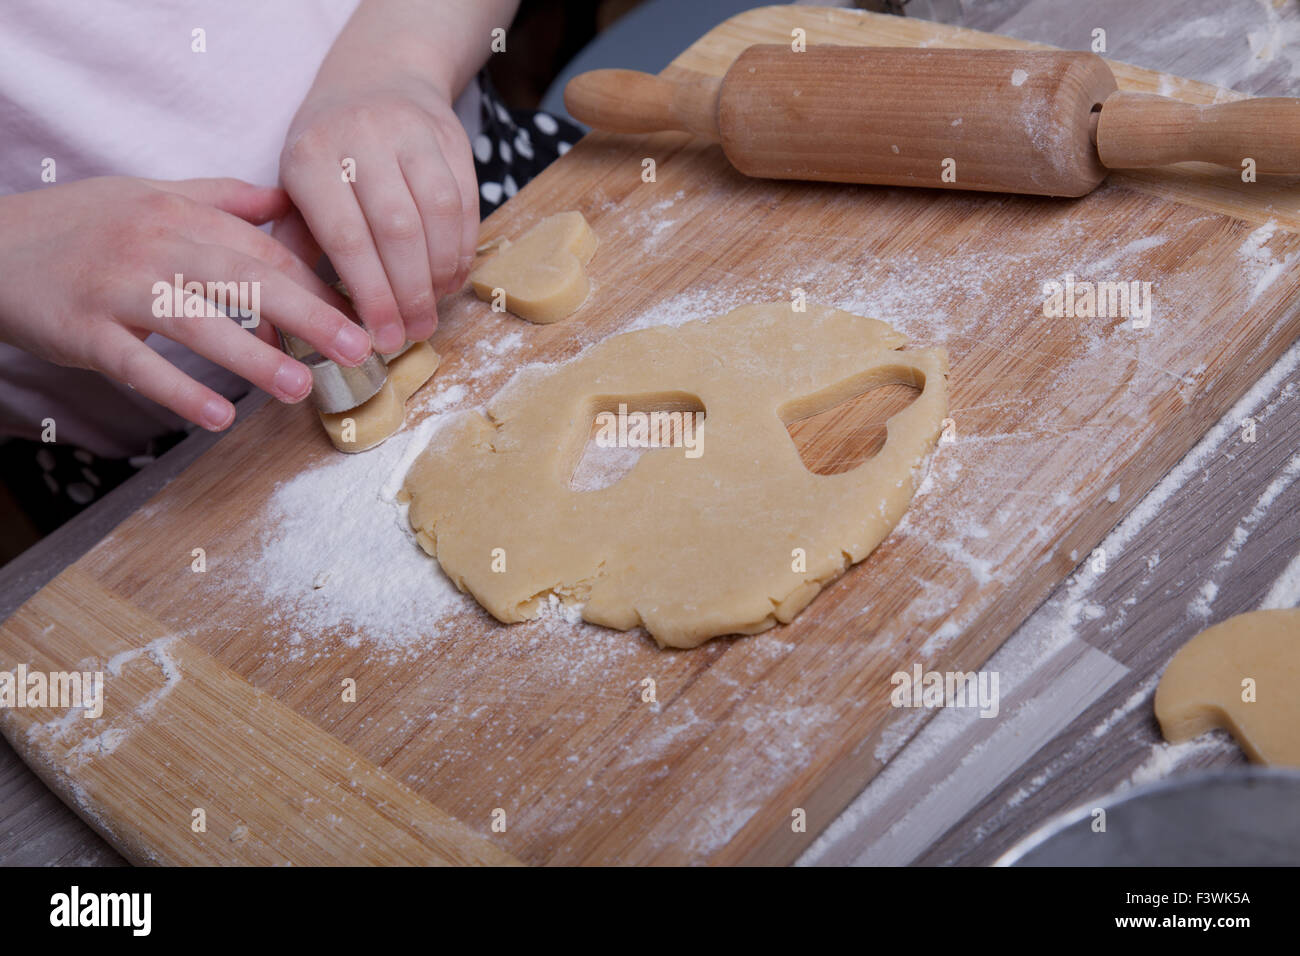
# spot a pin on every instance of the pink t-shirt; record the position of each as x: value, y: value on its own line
x: 115, y: 87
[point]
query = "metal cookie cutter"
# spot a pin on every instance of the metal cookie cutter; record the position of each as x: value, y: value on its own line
x: 338, y: 388
x: 334, y: 387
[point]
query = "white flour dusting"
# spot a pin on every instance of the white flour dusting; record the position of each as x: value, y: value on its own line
x: 339, y: 557
x: 1165, y: 758
x: 1262, y: 265
x: 114, y: 727
x: 1276, y: 38
x: 1233, y: 47
x: 1203, y: 602
x: 502, y: 344
x: 699, y: 303
x: 1285, y: 591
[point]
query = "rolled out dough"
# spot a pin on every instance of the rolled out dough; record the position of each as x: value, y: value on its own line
x: 731, y: 541
x: 1205, y: 684
x: 543, y: 274
x: 367, y: 425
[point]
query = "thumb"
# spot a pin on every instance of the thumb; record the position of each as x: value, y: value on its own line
x: 255, y: 204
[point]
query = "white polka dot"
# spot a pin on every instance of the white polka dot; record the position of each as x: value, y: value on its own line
x: 562, y: 148
x: 50, y: 482
x: 522, y: 146
x: 45, y: 459
x: 503, y: 114
x: 80, y: 492
x: 491, y: 191
x: 83, y: 456
x: 90, y: 476
x: 546, y: 124
x: 482, y: 148
x: 510, y: 186
x: 504, y: 149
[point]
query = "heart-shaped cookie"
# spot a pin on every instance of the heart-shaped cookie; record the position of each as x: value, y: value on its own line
x: 1243, y: 674
x: 542, y: 276
x: 367, y: 425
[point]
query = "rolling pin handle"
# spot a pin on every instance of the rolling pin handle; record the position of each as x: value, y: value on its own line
x: 627, y: 101
x: 1137, y: 130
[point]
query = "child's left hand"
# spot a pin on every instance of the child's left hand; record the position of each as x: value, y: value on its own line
x: 403, y: 232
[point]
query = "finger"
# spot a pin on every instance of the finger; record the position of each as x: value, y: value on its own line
x: 303, y: 306
x: 291, y: 232
x: 438, y: 198
x: 333, y: 214
x: 276, y: 297
x: 214, y: 226
x: 216, y: 337
x: 122, y: 356
x: 394, y: 220
x: 255, y: 204
x: 460, y: 159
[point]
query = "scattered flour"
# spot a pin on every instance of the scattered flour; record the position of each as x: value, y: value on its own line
x: 1262, y: 265
x: 1285, y: 591
x: 501, y: 345
x: 1276, y: 39
x: 113, y: 727
x: 340, y: 524
x: 1165, y: 758
x: 700, y: 303
x: 1201, y: 605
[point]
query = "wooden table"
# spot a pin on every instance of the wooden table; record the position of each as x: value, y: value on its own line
x: 962, y: 789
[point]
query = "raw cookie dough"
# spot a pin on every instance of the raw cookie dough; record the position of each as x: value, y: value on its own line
x: 1202, y: 686
x: 691, y: 548
x: 382, y: 414
x: 544, y: 272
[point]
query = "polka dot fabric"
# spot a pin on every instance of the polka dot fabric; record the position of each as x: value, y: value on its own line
x: 51, y: 482
x: 513, y: 147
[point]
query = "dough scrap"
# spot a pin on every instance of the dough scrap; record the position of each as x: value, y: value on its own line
x: 382, y: 414
x: 543, y: 273
x: 689, y: 547
x: 1202, y: 686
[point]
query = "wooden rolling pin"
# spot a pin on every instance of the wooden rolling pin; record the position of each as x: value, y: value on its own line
x: 1040, y: 122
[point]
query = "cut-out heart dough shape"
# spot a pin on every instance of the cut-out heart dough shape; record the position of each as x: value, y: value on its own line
x: 543, y: 274
x: 367, y: 425
x: 731, y: 541
x: 1203, y: 686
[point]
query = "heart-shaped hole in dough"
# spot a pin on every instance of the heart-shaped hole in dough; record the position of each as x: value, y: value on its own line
x: 623, y: 428
x: 841, y: 428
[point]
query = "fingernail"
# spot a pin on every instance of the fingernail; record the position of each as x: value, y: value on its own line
x: 352, y: 343
x: 216, y: 414
x: 292, y: 380
x: 420, y: 328
x: 389, y: 339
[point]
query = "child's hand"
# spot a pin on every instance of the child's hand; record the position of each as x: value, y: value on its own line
x: 80, y: 263
x: 403, y: 232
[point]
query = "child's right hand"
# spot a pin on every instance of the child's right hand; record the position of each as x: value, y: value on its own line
x: 79, y: 263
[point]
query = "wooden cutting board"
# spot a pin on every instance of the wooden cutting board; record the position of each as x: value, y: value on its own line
x: 226, y: 687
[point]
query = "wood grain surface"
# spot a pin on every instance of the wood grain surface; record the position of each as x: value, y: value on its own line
x: 1061, y: 427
